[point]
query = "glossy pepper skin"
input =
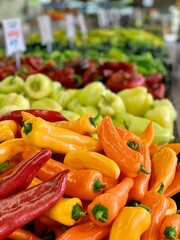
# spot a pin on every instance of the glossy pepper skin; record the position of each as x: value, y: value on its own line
x: 48, y: 115
x: 41, y: 133
x: 105, y: 207
x: 23, y: 173
x: 141, y: 181
x: 82, y: 160
x: 130, y: 161
x: 164, y: 163
x: 8, y: 130
x: 11, y: 147
x: 170, y: 226
x: 158, y: 205
x: 174, y: 187
x: 23, y: 207
x: 85, y: 184
x: 130, y: 223
x: 85, y: 231
x: 67, y: 211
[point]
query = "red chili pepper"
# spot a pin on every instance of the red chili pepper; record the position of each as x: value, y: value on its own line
x: 158, y: 90
x: 155, y: 78
x: 117, y: 66
x: 122, y: 80
x: 48, y: 115
x: 23, y: 207
x: 22, y: 174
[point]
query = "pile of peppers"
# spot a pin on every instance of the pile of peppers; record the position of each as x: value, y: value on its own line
x: 81, y: 180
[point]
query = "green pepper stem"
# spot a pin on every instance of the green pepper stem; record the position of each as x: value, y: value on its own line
x: 97, y: 185
x: 100, y: 212
x: 94, y: 119
x: 144, y: 170
x: 178, y: 211
x: 27, y: 127
x: 4, y: 165
x: 161, y: 189
x: 170, y: 232
x: 145, y: 207
x: 77, y: 212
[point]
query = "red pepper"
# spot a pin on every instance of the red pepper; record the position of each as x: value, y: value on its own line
x: 155, y: 78
x: 158, y: 90
x: 23, y: 207
x: 48, y: 115
x: 122, y: 80
x: 117, y: 66
x: 22, y: 174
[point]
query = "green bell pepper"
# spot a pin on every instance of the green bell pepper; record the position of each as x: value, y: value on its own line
x: 161, y: 115
x: 17, y: 100
x: 138, y: 124
x: 167, y: 102
x: 137, y: 100
x: 46, y: 103
x: 12, y: 84
x: 110, y: 104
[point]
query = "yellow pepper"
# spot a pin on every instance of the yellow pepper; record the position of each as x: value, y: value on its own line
x: 8, y: 130
x: 164, y: 163
x: 43, y: 134
x: 85, y: 124
x: 67, y: 211
x: 172, y: 207
x: 35, y: 181
x: 130, y: 224
x: 80, y: 159
x: 11, y: 147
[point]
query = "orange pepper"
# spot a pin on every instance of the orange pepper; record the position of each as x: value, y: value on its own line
x: 22, y: 234
x: 174, y: 187
x: 172, y: 207
x: 105, y: 207
x: 164, y: 163
x: 147, y: 136
x: 130, y: 161
x: 8, y: 130
x: 170, y: 226
x: 158, y: 205
x: 141, y: 181
x: 85, y: 184
x: 87, y: 230
x: 174, y: 146
x: 127, y: 135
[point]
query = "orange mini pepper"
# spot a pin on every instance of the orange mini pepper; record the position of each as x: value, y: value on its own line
x: 8, y: 129
x: 131, y: 162
x: 87, y: 230
x: 85, y: 184
x: 105, y: 207
x: 147, y: 136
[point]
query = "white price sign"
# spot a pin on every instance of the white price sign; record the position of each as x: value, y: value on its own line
x: 70, y: 26
x: 102, y: 18
x: 14, y: 38
x: 45, y: 28
x: 81, y: 23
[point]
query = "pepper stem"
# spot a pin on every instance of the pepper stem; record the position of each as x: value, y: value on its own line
x: 161, y: 189
x: 94, y: 119
x: 97, y: 185
x: 77, y: 212
x: 27, y: 127
x: 4, y: 165
x: 145, y: 207
x: 100, y: 212
x: 170, y: 232
x: 144, y: 170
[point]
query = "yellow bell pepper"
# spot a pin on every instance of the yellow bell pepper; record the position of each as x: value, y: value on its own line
x: 66, y: 211
x: 130, y: 224
x: 164, y: 163
x: 8, y: 130
x: 43, y: 134
x: 80, y: 159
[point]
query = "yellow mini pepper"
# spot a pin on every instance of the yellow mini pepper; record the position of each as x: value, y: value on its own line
x: 80, y: 159
x: 43, y: 134
x: 164, y: 163
x: 66, y: 211
x: 130, y: 224
x: 8, y: 130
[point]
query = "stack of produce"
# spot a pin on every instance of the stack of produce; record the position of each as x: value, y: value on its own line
x: 79, y: 180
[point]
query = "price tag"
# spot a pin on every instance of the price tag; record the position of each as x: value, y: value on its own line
x: 82, y: 25
x: 14, y: 38
x: 70, y: 27
x: 102, y: 18
x: 46, y: 32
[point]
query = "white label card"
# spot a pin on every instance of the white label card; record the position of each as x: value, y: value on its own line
x: 14, y: 38
x: 70, y: 26
x: 81, y: 23
x: 45, y: 28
